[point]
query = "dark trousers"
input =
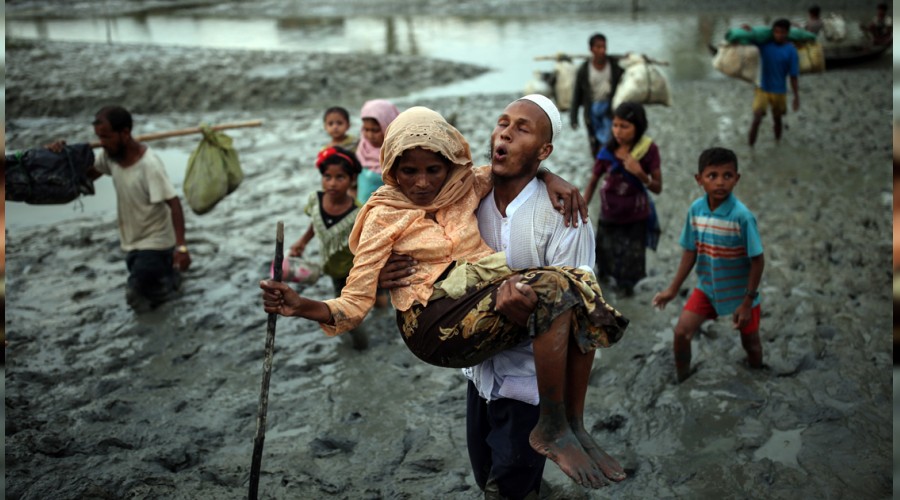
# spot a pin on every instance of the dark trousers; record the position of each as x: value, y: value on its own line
x: 503, y: 462
x: 151, y: 275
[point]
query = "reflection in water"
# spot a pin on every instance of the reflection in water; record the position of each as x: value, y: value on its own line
x: 43, y: 32
x: 390, y: 36
x: 141, y: 24
x: 690, y: 53
x: 310, y: 24
x: 411, y: 35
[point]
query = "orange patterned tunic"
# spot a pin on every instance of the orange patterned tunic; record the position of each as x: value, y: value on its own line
x: 435, y: 244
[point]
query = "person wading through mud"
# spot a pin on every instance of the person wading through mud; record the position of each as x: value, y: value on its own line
x: 151, y: 221
x: 778, y: 60
x: 503, y: 396
x: 427, y: 210
x: 595, y: 86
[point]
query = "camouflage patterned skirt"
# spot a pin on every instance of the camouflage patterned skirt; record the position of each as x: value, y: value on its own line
x: 458, y: 333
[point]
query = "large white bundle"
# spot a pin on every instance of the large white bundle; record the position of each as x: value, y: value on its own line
x: 642, y: 82
x: 738, y: 61
x: 565, y: 83
x: 834, y: 27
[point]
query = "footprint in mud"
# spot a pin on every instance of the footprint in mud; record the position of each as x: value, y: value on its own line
x: 178, y: 459
x: 328, y: 446
x: 610, y: 424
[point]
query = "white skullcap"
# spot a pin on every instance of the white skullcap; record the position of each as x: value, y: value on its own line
x: 549, y: 109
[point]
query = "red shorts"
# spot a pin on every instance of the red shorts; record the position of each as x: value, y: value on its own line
x: 699, y: 303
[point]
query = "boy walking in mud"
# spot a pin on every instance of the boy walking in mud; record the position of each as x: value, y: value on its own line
x: 719, y: 236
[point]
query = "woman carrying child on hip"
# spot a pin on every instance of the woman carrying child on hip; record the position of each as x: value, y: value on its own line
x: 628, y: 223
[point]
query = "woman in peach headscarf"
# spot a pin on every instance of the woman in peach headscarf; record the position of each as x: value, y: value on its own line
x: 376, y: 115
x: 447, y: 316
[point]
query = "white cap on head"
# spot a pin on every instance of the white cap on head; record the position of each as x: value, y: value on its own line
x: 549, y: 109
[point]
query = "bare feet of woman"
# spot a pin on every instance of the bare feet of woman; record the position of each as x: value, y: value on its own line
x: 567, y: 452
x: 607, y: 464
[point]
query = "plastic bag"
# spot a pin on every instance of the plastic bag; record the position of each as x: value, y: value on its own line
x: 642, y: 82
x: 213, y: 171
x: 296, y: 270
x: 41, y: 177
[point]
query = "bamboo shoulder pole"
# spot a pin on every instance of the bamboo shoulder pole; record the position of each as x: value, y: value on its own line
x: 556, y: 57
x: 188, y: 131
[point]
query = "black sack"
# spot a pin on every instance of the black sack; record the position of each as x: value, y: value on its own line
x: 41, y: 177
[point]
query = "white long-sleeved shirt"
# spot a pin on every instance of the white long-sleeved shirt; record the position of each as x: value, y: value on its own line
x: 540, y: 239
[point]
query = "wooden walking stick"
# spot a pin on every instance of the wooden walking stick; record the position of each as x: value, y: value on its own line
x: 267, y: 372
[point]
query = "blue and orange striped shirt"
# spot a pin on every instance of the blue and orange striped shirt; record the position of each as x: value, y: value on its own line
x: 725, y: 240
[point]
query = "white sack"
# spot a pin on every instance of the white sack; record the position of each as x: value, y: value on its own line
x: 565, y: 84
x: 643, y: 82
x: 738, y: 61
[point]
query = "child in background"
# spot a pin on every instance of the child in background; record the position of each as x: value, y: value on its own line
x: 333, y: 212
x: 721, y: 237
x: 337, y: 122
x: 814, y: 23
x: 376, y: 115
x: 628, y: 223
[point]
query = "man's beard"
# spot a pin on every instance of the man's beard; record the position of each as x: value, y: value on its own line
x: 115, y: 155
x: 530, y: 160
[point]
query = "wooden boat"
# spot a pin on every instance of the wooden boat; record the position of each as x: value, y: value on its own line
x: 838, y: 56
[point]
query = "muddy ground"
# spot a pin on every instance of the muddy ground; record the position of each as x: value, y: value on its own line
x: 103, y: 403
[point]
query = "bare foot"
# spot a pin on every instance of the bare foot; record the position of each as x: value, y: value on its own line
x: 569, y: 455
x: 607, y: 464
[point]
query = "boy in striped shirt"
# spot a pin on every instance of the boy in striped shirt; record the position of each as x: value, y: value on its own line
x: 719, y: 237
